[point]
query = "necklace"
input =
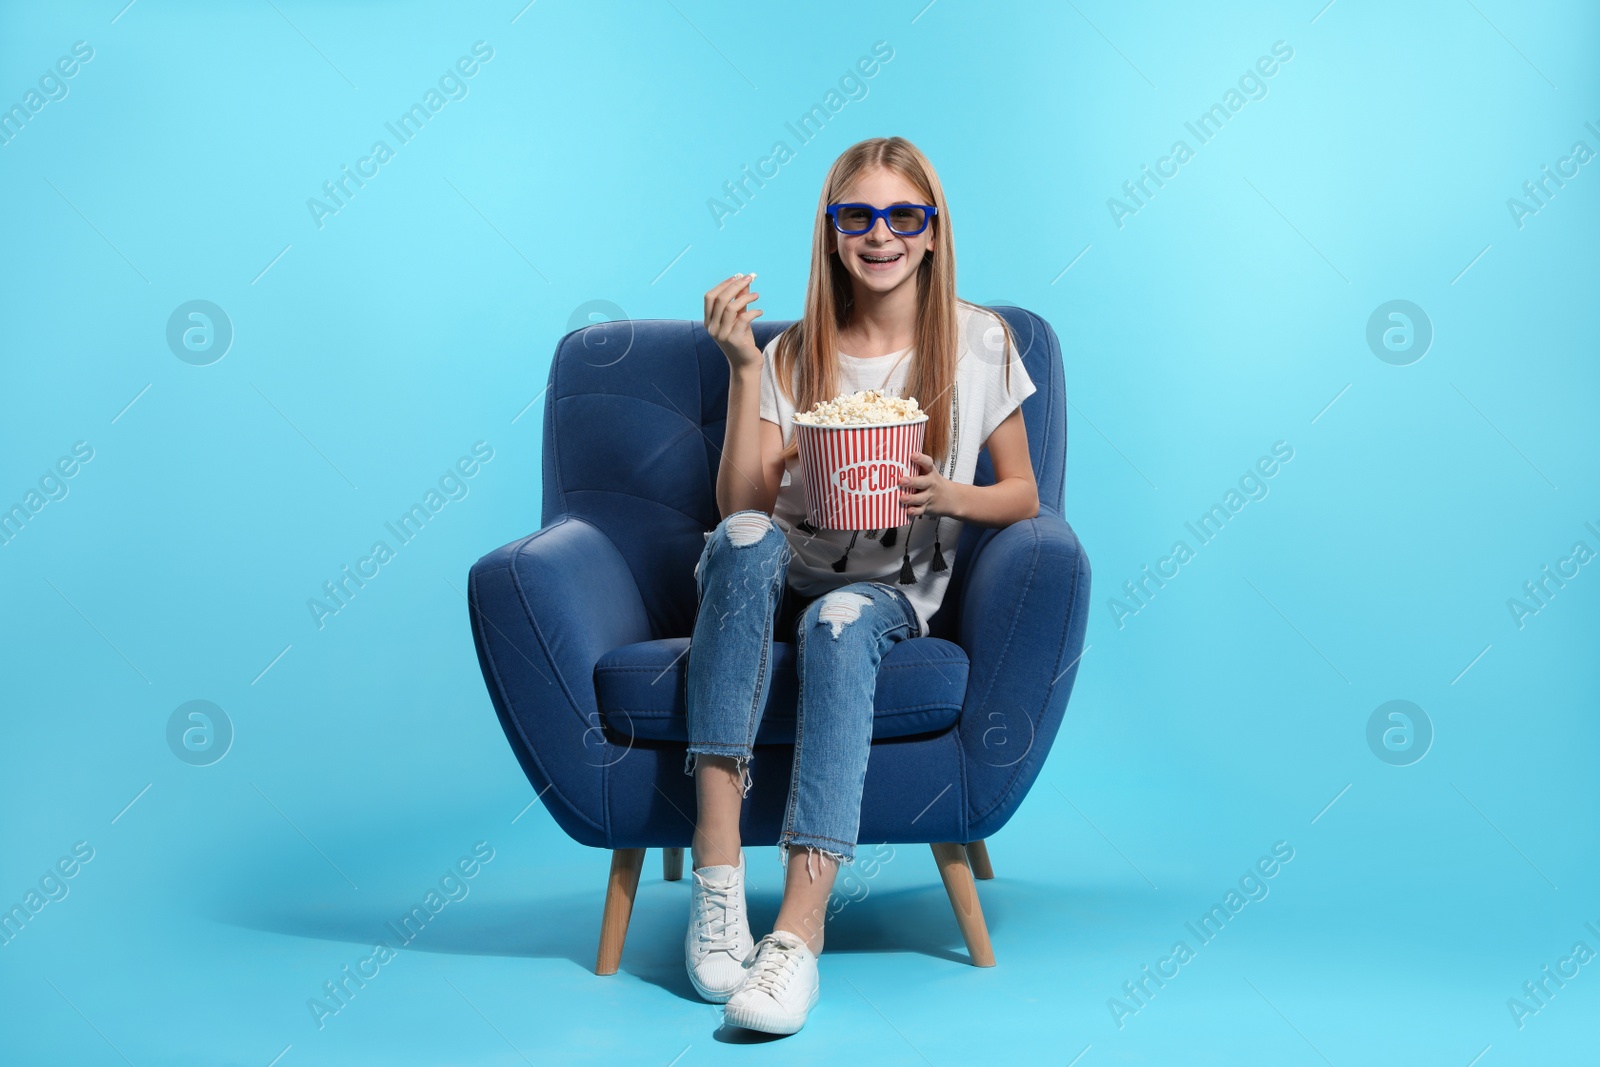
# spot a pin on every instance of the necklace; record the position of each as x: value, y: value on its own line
x: 892, y: 370
x: 892, y: 366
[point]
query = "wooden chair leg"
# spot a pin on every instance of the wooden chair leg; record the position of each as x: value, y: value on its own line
x: 963, y: 891
x: 978, y: 854
x: 672, y: 864
x: 626, y: 863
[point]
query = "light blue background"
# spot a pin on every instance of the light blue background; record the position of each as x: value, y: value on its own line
x: 369, y: 354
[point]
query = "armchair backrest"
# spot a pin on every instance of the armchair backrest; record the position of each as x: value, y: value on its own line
x: 634, y: 416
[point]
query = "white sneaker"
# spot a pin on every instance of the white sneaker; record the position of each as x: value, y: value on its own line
x: 780, y: 988
x: 718, y: 939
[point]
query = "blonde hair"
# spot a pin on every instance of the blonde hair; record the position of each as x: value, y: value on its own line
x: 813, y: 340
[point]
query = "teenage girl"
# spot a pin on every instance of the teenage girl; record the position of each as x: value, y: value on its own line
x: 880, y: 305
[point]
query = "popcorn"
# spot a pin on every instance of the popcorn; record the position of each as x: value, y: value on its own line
x: 854, y: 449
x: 867, y: 407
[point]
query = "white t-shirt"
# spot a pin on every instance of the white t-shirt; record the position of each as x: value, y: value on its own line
x: 984, y: 404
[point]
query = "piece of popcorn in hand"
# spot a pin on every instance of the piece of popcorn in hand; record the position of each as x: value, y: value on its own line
x: 866, y: 407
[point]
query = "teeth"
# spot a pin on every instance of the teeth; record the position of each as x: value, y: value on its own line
x: 881, y: 259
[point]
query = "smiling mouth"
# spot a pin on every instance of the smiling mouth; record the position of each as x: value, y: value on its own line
x: 883, y: 259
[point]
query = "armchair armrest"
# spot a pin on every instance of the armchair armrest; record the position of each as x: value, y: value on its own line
x: 544, y: 610
x: 1023, y: 617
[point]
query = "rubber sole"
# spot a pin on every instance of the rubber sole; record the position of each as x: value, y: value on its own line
x: 702, y: 991
x: 769, y: 1022
x: 705, y: 994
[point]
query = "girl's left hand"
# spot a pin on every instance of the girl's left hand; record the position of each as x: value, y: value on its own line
x: 926, y: 494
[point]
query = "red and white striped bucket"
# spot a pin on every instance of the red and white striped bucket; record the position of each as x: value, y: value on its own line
x: 853, y: 473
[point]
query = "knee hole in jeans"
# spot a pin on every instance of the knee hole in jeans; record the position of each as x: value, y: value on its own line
x: 745, y: 528
x: 840, y: 608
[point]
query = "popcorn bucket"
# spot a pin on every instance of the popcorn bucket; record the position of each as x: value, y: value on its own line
x: 853, y: 473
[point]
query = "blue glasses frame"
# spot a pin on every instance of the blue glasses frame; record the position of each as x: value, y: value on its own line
x: 882, y: 213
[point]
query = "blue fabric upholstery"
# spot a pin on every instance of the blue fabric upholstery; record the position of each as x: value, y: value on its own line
x: 572, y: 622
x: 921, y: 685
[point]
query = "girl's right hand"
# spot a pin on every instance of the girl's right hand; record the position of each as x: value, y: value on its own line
x: 728, y: 318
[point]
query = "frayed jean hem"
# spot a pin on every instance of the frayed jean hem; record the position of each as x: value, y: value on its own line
x: 813, y: 849
x: 740, y: 756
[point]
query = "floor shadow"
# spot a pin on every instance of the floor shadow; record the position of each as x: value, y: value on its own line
x: 566, y: 926
x: 738, y: 1035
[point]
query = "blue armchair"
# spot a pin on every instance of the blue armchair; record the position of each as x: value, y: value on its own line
x: 581, y: 627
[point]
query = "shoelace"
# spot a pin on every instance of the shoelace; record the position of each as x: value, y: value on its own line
x: 720, y: 908
x: 775, y: 960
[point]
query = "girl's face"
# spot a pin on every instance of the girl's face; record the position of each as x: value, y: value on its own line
x: 882, y: 187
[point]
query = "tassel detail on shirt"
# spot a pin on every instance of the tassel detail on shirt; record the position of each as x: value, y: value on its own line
x: 907, y: 575
x: 839, y: 563
x: 938, y: 554
x: 888, y: 537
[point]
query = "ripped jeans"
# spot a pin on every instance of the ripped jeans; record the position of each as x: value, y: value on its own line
x: 841, y: 636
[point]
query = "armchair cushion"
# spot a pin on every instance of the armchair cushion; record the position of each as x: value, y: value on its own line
x: 641, y: 687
